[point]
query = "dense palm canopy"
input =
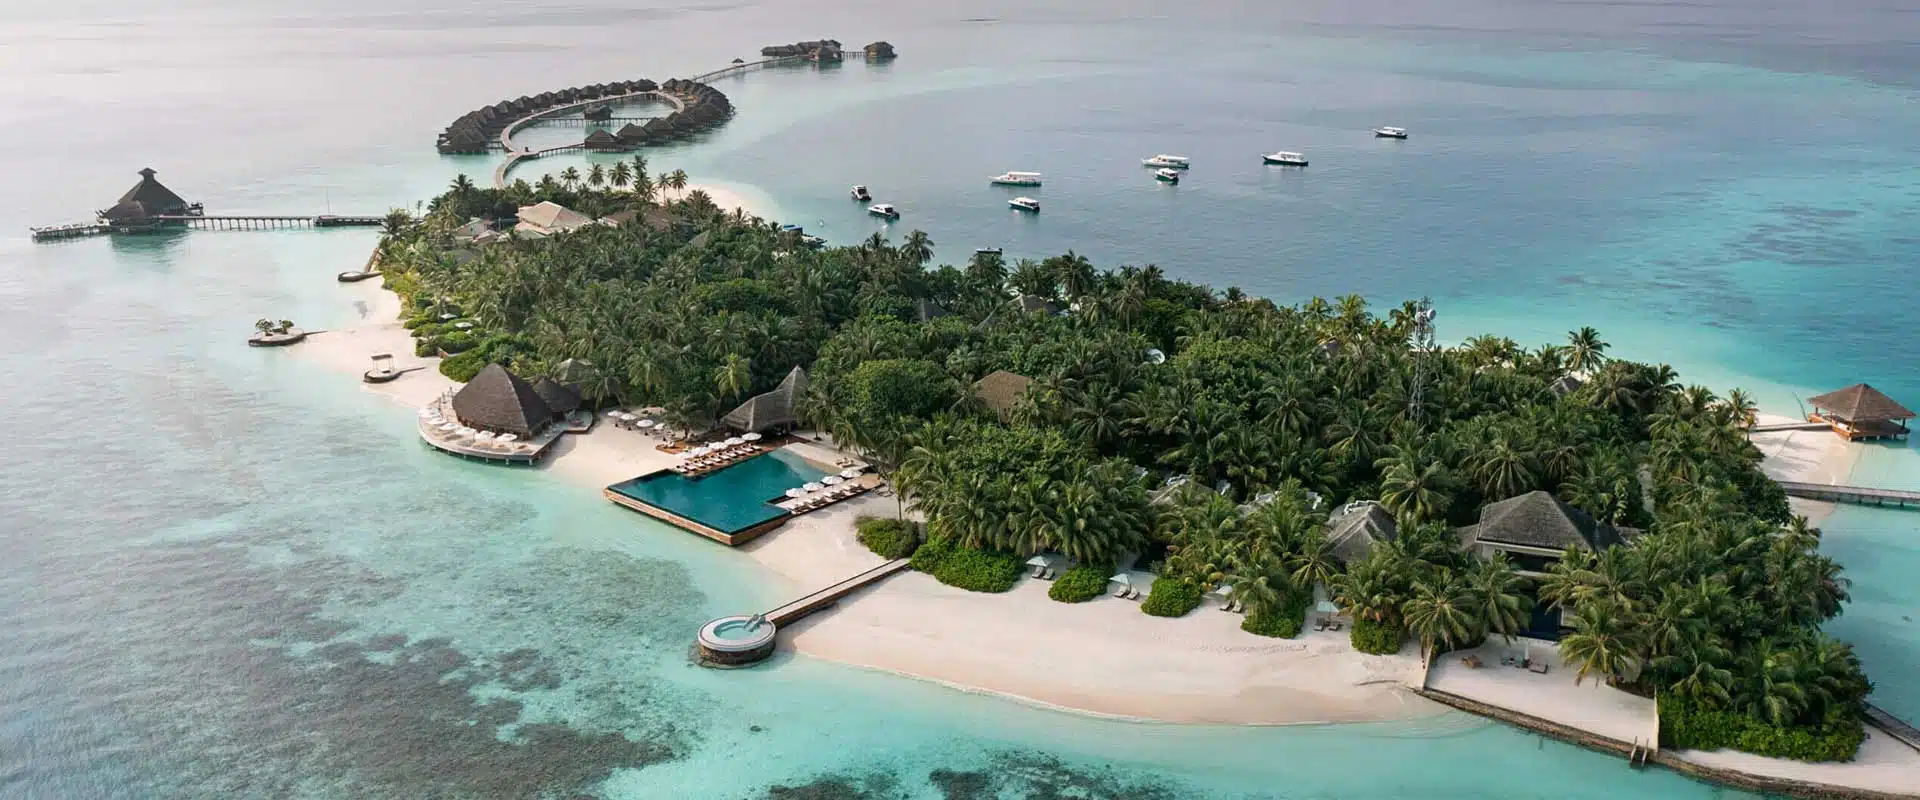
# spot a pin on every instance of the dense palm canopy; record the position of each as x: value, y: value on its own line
x: 1265, y: 416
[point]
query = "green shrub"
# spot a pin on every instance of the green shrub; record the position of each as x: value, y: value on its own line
x: 1171, y: 597
x: 424, y: 349
x: 433, y: 330
x: 931, y: 554
x: 1692, y: 726
x: 463, y: 367
x: 414, y: 323
x: 1078, y: 585
x: 456, y: 342
x: 1372, y: 637
x: 979, y: 570
x: 887, y: 537
x: 1284, y: 623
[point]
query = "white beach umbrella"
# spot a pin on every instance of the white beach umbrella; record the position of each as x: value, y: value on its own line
x: 464, y: 431
x: 1037, y: 561
x: 796, y: 493
x: 813, y: 487
x: 750, y: 436
x: 483, y: 435
x: 646, y: 423
x: 1123, y: 579
x: 832, y: 480
x: 699, y: 451
x: 508, y: 437
x: 736, y: 441
x: 849, y: 474
x: 614, y: 414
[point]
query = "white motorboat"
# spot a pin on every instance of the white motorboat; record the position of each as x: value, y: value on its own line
x: 1167, y: 175
x: 1285, y: 159
x: 1390, y: 132
x: 1017, y: 179
x: 884, y: 210
x: 1164, y: 161
x: 861, y: 194
x: 1025, y: 204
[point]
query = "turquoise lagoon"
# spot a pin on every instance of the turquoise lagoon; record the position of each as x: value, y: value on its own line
x: 285, y: 595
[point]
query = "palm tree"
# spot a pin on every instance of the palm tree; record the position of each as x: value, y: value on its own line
x: 597, y: 176
x: 1605, y: 641
x: 1585, y: 351
x: 570, y: 177
x: 734, y: 375
x: 1415, y: 492
x: 675, y: 180
x: 917, y: 247
x: 643, y: 188
x: 1440, y: 611
x: 1499, y: 593
x: 395, y: 223
x: 1502, y: 470
x: 639, y: 163
x: 620, y: 175
x: 462, y: 186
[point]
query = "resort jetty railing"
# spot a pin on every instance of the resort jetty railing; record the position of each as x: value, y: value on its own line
x: 1791, y: 426
x: 788, y: 613
x: 204, y: 222
x: 1851, y: 494
x: 1893, y: 726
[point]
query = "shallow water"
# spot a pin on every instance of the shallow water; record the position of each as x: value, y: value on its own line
x: 231, y: 574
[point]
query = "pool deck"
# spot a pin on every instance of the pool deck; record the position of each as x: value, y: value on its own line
x: 806, y: 451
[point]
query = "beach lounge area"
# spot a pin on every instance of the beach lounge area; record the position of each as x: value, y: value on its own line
x: 1527, y: 677
x: 499, y: 417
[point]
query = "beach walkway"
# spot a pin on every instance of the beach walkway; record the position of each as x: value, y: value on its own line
x: 817, y: 600
x: 1591, y: 707
x: 1861, y: 495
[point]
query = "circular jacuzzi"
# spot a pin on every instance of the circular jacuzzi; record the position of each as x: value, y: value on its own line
x: 736, y: 640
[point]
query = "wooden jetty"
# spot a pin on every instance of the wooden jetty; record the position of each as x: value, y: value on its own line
x: 1790, y: 426
x: 1851, y: 494
x: 1893, y: 726
x: 793, y: 611
x: 581, y: 122
x: 149, y: 206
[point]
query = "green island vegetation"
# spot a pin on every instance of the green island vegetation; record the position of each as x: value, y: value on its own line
x: 1203, y: 434
x: 1080, y: 584
x: 1171, y: 597
x: 887, y: 537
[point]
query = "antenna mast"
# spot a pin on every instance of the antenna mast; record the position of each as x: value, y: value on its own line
x: 1423, y: 350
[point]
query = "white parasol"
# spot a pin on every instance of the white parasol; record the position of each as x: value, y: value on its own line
x: 508, y: 437
x: 813, y: 487
x: 736, y: 442
x: 849, y: 474
x: 796, y: 493
x: 751, y: 437
x: 646, y: 423
x: 832, y: 480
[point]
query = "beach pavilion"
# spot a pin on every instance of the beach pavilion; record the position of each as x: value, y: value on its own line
x: 145, y: 200
x: 1861, y: 412
x: 774, y: 410
x: 499, y: 401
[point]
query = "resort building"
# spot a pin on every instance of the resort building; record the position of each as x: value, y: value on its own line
x: 774, y: 410
x: 1356, y: 527
x: 499, y: 417
x: 547, y: 218
x: 1001, y: 392
x: 1566, y: 385
x: 1535, y: 530
x: 602, y: 140
x: 147, y: 199
x: 1861, y: 412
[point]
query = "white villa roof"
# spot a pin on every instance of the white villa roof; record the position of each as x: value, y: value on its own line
x: 551, y: 217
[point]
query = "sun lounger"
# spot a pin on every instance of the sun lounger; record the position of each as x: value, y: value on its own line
x: 1334, y: 625
x: 1538, y: 666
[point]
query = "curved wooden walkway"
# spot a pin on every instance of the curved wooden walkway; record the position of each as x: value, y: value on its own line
x: 515, y: 156
x: 1851, y: 494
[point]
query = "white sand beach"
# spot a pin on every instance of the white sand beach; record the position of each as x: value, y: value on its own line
x: 1805, y: 456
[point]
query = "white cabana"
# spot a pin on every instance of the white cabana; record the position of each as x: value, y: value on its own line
x: 832, y: 480
x: 849, y: 474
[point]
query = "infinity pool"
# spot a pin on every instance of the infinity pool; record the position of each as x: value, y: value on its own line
x: 730, y: 500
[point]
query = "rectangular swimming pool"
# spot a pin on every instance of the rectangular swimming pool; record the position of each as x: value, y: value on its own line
x: 730, y: 500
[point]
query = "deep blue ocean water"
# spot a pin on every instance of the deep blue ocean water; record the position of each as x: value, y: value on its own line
x: 230, y: 574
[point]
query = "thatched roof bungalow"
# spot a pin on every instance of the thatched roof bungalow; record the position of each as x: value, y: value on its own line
x: 559, y: 397
x: 1535, y: 530
x: 778, y: 408
x: 600, y: 139
x: 1357, y: 527
x: 500, y: 401
x: 1001, y: 392
x: 1861, y: 412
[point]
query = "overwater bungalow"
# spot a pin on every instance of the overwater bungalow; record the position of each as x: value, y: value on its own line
x: 1861, y: 412
x: 1001, y: 392
x: 775, y: 410
x: 147, y: 199
x: 600, y: 139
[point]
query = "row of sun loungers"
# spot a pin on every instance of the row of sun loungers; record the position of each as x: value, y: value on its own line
x: 1127, y: 593
x: 827, y: 497
x: 709, y: 463
x: 1326, y: 624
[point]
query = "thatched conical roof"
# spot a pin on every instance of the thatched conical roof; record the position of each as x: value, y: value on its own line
x: 499, y: 401
x: 772, y: 409
x: 152, y: 197
x: 600, y: 139
x: 1860, y: 402
x: 1001, y: 391
x: 560, y: 398
x: 573, y: 372
x: 1355, y: 529
x: 1538, y: 519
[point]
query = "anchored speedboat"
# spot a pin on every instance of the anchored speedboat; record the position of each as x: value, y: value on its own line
x: 1285, y: 159
x: 884, y: 210
x: 860, y: 193
x: 1164, y: 161
x: 1017, y: 179
x: 1025, y: 204
x: 1390, y: 132
x: 1167, y: 175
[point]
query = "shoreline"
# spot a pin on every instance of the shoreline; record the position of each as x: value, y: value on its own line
x: 1021, y: 645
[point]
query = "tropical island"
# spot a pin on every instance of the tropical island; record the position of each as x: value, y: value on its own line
x: 1321, y: 461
